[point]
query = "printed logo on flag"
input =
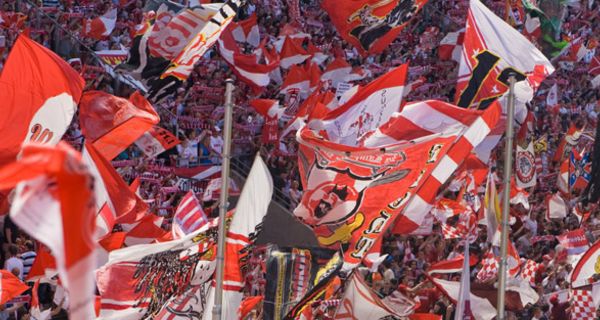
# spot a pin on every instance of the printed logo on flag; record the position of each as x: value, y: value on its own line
x: 525, y: 166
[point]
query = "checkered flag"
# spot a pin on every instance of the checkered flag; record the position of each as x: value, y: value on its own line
x: 529, y: 271
x: 582, y: 305
x: 489, y: 267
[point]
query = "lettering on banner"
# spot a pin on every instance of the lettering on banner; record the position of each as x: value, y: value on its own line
x: 40, y: 134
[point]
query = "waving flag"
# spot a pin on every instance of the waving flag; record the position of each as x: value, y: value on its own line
x: 147, y: 230
x: 112, y: 123
x: 483, y: 297
x: 156, y: 141
x: 138, y: 281
x: 451, y: 46
x: 189, y: 215
x: 337, y: 71
x: 525, y: 166
x: 101, y: 27
x: 587, y: 267
x: 54, y: 204
x: 371, y: 25
x: 351, y: 187
x: 38, y: 99
x: 491, y: 50
x: 246, y: 31
x: 292, y: 53
x: 296, y: 84
x: 10, y: 286
x: 267, y: 108
x: 361, y: 302
x: 246, y: 66
x: 248, y: 217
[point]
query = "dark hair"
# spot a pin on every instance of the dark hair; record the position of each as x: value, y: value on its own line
x: 13, y: 250
x: 29, y: 245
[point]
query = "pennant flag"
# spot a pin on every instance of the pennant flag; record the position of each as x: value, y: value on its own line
x: 138, y: 281
x: 156, y: 141
x: 10, y: 286
x: 246, y: 66
x: 574, y: 241
x: 292, y: 53
x: 268, y: 108
x: 189, y: 215
x: 361, y: 302
x: 337, y: 71
x: 450, y: 47
x: 587, y: 267
x: 371, y: 25
x: 483, y: 297
x: 246, y: 31
x: 350, y: 185
x: 115, y: 202
x: 100, y: 27
x: 290, y: 274
x: 38, y: 99
x: 491, y: 50
x: 112, y: 123
x: 525, y: 172
x: 54, y: 204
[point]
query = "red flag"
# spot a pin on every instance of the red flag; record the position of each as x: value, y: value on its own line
x: 54, y: 204
x: 111, y: 190
x: 246, y: 31
x: 38, y: 99
x: 336, y: 72
x: 371, y: 25
x: 268, y: 108
x: 44, y: 263
x: 594, y: 67
x: 146, y: 231
x: 451, y: 46
x: 10, y: 286
x: 112, y: 123
x: 100, y: 27
x: 156, y: 141
x: 246, y: 66
x: 292, y: 53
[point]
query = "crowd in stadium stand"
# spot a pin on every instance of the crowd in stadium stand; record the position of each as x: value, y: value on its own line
x: 195, y: 115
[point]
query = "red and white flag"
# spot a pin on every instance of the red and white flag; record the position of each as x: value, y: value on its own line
x: 35, y: 311
x: 337, y: 71
x: 246, y: 66
x: 370, y: 26
x: 529, y: 271
x: 367, y: 110
x: 533, y: 28
x: 552, y: 97
x: 145, y: 231
x: 213, y: 189
x: 112, y: 123
x: 246, y: 31
x: 248, y: 216
x: 268, y: 108
x: 450, y: 47
x: 54, y: 204
x: 100, y: 27
x: 138, y: 281
x: 525, y: 169
x: 156, y: 141
x: 318, y: 56
x: 584, y: 302
x: 297, y: 82
x: 594, y: 66
x: 361, y: 302
x: 292, y: 53
x: 574, y: 241
x: 492, y: 49
x: 38, y: 99
x: 10, y: 286
x: 115, y: 202
x: 586, y: 268
x: 483, y: 297
x: 451, y: 266
x: 189, y: 216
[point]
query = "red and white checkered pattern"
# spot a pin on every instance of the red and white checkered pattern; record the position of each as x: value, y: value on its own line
x: 489, y: 267
x: 450, y: 232
x: 582, y: 305
x: 529, y: 271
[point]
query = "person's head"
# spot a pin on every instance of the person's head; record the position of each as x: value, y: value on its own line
x: 29, y: 245
x: 13, y: 250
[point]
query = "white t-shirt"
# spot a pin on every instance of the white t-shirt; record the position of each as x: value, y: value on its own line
x: 216, y: 143
x: 13, y: 263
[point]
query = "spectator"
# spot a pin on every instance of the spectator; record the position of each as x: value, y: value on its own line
x: 28, y: 258
x: 13, y: 263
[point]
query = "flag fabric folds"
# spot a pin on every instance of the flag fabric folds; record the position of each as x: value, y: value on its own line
x: 189, y: 215
x: 156, y: 141
x: 112, y: 123
x: 39, y: 99
x: 491, y: 50
x: 100, y: 27
x: 10, y: 286
x: 361, y: 302
x: 371, y: 25
x: 246, y: 31
x: 54, y: 204
x: 587, y: 267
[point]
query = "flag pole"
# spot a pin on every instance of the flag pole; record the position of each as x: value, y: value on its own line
x: 510, y: 115
x: 223, y: 200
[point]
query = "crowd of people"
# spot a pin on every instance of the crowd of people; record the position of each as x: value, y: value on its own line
x: 195, y: 115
